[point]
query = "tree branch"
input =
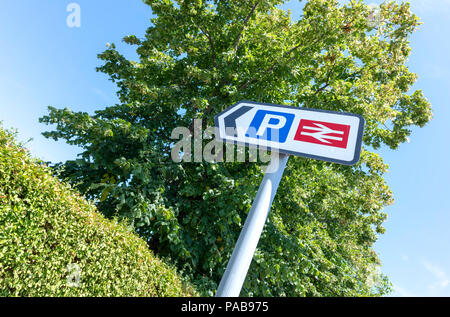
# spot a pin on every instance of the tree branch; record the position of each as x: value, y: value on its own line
x: 211, y: 45
x: 236, y: 42
x: 271, y: 68
x: 327, y: 81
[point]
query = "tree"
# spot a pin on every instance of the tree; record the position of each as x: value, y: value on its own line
x: 199, y: 57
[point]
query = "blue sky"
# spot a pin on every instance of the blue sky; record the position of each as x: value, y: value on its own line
x: 44, y: 62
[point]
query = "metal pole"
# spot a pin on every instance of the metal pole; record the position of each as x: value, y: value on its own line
x: 234, y: 276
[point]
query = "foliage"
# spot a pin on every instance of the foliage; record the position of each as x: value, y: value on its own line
x: 200, y: 57
x: 51, y: 239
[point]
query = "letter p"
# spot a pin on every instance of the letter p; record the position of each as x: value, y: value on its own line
x: 271, y: 121
x: 270, y: 126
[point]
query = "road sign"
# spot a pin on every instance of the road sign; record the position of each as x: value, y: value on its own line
x: 318, y: 134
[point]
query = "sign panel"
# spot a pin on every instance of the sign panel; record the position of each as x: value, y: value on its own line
x: 313, y: 133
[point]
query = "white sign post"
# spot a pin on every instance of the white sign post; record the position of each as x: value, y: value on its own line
x: 324, y: 135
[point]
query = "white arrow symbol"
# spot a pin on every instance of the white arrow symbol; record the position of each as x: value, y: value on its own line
x: 322, y: 132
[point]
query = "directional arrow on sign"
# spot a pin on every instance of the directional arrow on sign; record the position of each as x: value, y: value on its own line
x: 230, y: 120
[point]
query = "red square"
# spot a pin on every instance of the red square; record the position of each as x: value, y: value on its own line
x: 324, y: 133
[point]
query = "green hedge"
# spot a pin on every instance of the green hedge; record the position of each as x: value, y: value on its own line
x: 54, y: 243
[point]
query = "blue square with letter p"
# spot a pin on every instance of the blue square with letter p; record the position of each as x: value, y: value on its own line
x: 271, y: 126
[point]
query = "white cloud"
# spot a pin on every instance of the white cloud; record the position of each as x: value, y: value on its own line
x: 402, y: 292
x: 443, y: 279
